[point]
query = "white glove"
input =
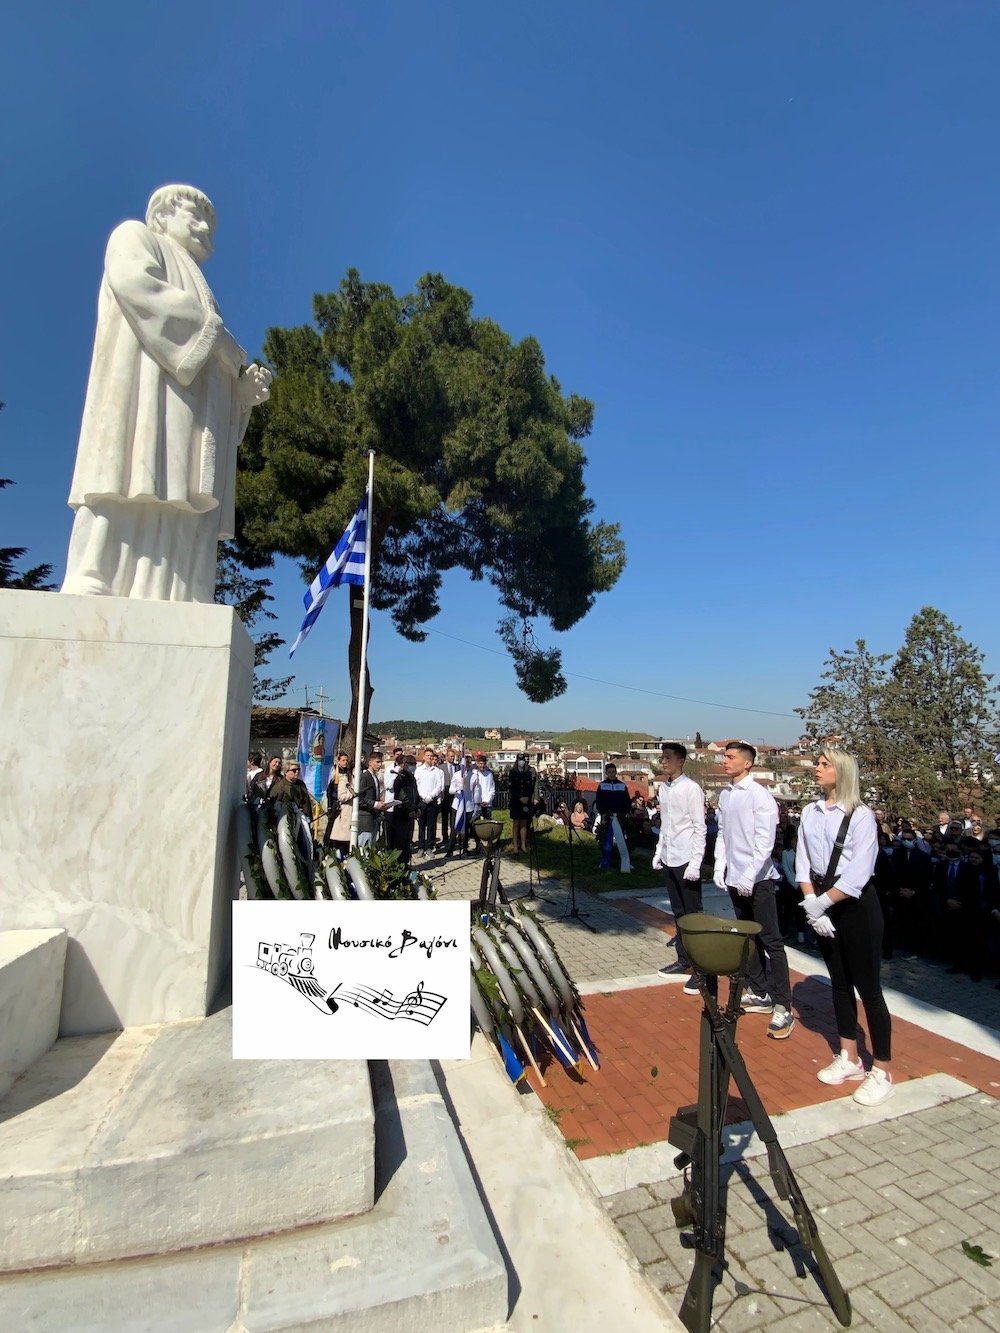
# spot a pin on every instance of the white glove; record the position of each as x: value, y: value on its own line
x: 693, y: 874
x: 719, y: 879
x: 657, y: 863
x: 815, y: 905
x: 744, y: 890
x: 823, y: 926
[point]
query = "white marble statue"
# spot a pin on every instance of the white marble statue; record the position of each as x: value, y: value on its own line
x: 168, y: 401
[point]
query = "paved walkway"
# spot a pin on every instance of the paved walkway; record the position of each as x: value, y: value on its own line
x: 898, y: 1191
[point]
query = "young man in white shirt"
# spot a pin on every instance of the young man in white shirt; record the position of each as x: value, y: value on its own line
x: 748, y: 824
x: 681, y: 846
x: 465, y: 791
x: 487, y: 793
x: 430, y: 785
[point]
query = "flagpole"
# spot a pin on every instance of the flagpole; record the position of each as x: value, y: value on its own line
x: 363, y: 667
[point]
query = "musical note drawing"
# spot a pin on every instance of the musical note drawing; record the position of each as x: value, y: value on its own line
x: 419, y: 1006
x: 294, y: 964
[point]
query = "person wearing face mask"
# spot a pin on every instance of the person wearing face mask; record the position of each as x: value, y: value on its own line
x: 522, y: 800
x: 911, y: 887
x: 465, y: 800
x: 407, y: 799
x: 991, y: 870
x: 967, y: 923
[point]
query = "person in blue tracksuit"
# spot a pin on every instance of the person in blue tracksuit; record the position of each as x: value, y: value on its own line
x: 612, y: 803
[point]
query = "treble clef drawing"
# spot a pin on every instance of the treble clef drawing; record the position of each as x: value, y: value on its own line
x: 415, y: 999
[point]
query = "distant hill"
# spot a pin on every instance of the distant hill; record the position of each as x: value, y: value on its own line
x: 584, y: 739
x: 405, y: 730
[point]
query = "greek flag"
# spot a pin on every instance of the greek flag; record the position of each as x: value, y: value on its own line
x: 459, y: 812
x: 346, y: 565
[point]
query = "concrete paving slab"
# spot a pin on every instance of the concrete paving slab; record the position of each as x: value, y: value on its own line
x: 424, y: 1257
x: 617, y: 1172
x: 159, y: 1141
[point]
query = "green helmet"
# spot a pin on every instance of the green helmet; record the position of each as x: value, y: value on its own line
x: 717, y: 945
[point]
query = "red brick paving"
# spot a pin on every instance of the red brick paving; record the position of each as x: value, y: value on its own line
x: 656, y: 1028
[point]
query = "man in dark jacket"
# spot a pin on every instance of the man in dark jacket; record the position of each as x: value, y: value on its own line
x: 612, y: 803
x: 910, y: 880
x: 407, y: 799
x: 371, y: 800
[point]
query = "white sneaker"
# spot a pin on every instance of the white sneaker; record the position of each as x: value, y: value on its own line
x: 842, y: 1070
x: 876, y: 1088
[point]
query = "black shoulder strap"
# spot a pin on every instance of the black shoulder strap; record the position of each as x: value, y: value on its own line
x: 829, y: 879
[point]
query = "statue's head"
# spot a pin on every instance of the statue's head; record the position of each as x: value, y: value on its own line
x: 186, y: 215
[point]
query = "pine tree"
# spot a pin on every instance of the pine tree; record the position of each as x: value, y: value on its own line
x: 479, y: 466
x: 940, y: 706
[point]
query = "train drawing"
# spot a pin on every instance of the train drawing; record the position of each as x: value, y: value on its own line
x: 280, y: 959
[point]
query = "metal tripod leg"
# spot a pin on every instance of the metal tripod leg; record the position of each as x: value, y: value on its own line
x: 785, y: 1184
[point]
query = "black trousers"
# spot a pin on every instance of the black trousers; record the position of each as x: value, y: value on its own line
x: 854, y: 959
x: 768, y: 970
x: 427, y: 825
x: 400, y: 829
x: 685, y: 896
x: 447, y: 817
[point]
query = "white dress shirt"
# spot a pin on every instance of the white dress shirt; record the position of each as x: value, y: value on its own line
x: 430, y: 782
x: 748, y: 825
x: 390, y: 778
x: 487, y: 786
x: 682, y: 825
x: 466, y: 784
x: 818, y: 829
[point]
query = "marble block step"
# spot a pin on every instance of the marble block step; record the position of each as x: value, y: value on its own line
x: 155, y: 1140
x: 425, y: 1257
x: 32, y: 963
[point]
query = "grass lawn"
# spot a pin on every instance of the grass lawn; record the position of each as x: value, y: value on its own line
x: 552, y: 859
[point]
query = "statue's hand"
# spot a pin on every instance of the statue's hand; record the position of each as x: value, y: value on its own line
x: 255, y: 385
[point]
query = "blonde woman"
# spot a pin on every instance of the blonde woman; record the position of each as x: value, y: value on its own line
x: 843, y: 909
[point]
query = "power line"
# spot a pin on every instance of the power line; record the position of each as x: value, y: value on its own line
x: 617, y: 685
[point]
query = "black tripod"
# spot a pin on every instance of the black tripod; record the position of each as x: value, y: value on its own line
x: 697, y: 1130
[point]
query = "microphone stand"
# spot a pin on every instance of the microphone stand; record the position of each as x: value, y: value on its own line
x: 571, y: 907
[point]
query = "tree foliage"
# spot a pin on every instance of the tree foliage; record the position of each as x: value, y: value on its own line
x: 248, y: 594
x: 941, y: 709
x: 479, y: 465
x: 35, y: 579
x: 923, y: 723
x: 848, y: 704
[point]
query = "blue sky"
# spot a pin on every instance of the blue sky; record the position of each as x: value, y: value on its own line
x: 761, y: 237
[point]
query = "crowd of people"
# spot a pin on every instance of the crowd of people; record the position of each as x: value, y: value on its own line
x: 939, y: 888
x: 418, y: 806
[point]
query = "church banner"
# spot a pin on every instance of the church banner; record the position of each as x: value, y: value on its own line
x: 318, y: 737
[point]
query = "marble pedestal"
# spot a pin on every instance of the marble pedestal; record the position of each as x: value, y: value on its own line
x: 125, y: 724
